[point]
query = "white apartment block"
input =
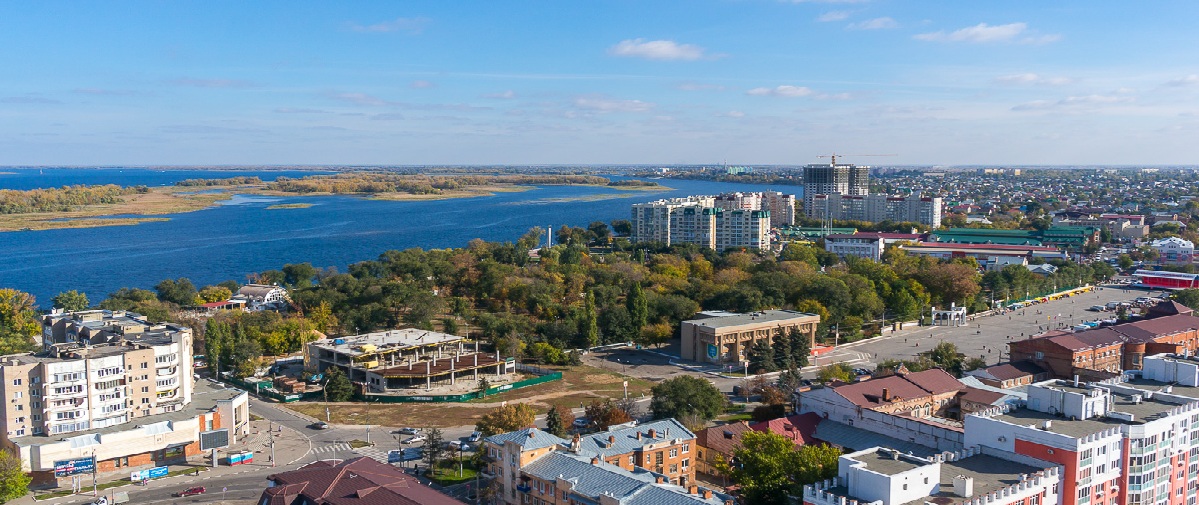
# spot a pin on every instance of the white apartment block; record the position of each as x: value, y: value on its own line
x: 780, y: 205
x: 875, y: 208
x: 98, y: 369
x: 699, y: 220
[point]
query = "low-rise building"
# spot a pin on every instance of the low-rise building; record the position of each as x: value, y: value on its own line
x: 262, y: 297
x: 717, y: 443
x: 155, y: 440
x: 1010, y: 375
x: 728, y: 338
x: 882, y: 476
x: 1102, y: 352
x: 625, y: 465
x: 357, y: 481
x: 1174, y: 250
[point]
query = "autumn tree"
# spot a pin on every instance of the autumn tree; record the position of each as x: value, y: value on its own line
x: 18, y: 321
x: 835, y: 371
x: 601, y: 415
x: 510, y: 417
x: 212, y: 294
x: 71, y: 301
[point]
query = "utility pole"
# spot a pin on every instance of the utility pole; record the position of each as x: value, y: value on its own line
x: 95, y: 489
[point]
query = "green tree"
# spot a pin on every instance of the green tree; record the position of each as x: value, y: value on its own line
x: 761, y: 358
x: 973, y: 364
x: 18, y: 322
x: 71, y: 301
x: 686, y: 395
x: 764, y: 466
x: 589, y: 326
x: 299, y: 275
x: 801, y: 347
x: 1188, y: 297
x: 511, y: 417
x: 784, y: 356
x: 482, y: 387
x: 215, y: 294
x: 337, y: 386
x: 558, y: 420
x: 1124, y: 261
x: 179, y: 291
x: 622, y: 227
x: 14, y: 483
x: 638, y: 307
x: 835, y: 371
x: 945, y: 355
x: 434, y: 448
x: 656, y: 334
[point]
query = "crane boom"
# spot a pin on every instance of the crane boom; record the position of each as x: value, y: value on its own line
x: 834, y: 156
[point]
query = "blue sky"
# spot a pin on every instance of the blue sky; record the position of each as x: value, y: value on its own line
x: 562, y: 82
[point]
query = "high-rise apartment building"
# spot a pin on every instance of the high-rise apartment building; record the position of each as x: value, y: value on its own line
x: 828, y: 178
x: 700, y: 220
x: 874, y: 208
x: 780, y: 205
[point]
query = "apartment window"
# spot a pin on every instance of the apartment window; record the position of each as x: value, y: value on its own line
x: 16, y: 382
x: 37, y: 417
x: 631, y: 461
x: 686, y: 464
x: 145, y: 364
x: 35, y: 405
x: 18, y: 395
x: 145, y: 400
x: 686, y: 448
x: 145, y: 389
x: 20, y: 407
x: 674, y: 452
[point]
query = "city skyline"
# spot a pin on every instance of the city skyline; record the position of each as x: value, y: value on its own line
x: 753, y: 82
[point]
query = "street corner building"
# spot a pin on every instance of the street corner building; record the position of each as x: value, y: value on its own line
x: 726, y: 338
x: 110, y: 392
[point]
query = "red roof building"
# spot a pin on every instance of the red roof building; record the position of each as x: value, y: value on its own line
x: 358, y: 481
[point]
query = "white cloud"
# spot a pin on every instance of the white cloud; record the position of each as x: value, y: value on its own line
x: 605, y: 104
x: 420, y: 84
x: 503, y: 95
x: 874, y: 24
x: 831, y: 16
x: 1073, y: 102
x: 1190, y: 80
x: 657, y: 50
x: 983, y: 33
x: 784, y: 91
x: 1031, y: 78
x: 410, y: 25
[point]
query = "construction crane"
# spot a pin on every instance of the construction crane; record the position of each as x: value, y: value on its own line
x: 833, y: 156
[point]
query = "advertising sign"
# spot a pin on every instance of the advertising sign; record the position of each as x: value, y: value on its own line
x: 151, y: 473
x: 712, y: 351
x: 214, y: 439
x: 74, y: 466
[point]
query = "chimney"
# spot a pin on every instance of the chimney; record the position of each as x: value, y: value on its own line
x: 707, y: 494
x: 963, y: 486
x: 653, y: 433
x: 595, y: 461
x: 638, y: 434
x: 692, y: 489
x: 576, y: 443
x: 1075, y: 380
x: 1048, y: 424
x: 659, y: 480
x: 886, y: 395
x: 611, y: 439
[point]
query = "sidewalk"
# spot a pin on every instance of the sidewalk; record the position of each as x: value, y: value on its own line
x: 289, y: 448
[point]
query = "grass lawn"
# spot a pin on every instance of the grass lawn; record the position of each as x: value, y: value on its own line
x: 358, y: 444
x: 447, y: 472
x: 579, y: 384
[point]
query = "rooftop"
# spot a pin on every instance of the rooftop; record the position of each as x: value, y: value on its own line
x: 765, y: 316
x: 989, y: 473
x: 887, y: 462
x: 856, y: 439
x: 408, y: 338
x: 358, y: 481
x: 592, y: 478
x: 628, y: 439
x: 529, y: 439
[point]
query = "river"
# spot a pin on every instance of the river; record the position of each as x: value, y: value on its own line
x: 241, y: 236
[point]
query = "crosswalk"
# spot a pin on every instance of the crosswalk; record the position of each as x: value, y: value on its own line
x: 331, y: 448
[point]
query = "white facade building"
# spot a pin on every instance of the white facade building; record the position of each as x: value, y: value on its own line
x: 1174, y: 249
x: 875, y: 208
x: 700, y: 220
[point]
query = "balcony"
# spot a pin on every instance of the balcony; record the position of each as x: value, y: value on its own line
x: 165, y: 372
x: 67, y: 405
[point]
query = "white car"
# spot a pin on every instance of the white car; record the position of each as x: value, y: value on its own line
x: 414, y: 439
x: 408, y: 431
x: 475, y: 437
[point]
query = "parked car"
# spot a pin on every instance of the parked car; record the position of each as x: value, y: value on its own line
x: 191, y: 491
x: 475, y: 437
x: 415, y: 439
x: 455, y: 445
x: 408, y: 431
x: 319, y: 425
x: 582, y: 422
x: 1097, y: 308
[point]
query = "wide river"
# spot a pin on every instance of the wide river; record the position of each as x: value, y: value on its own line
x: 241, y: 236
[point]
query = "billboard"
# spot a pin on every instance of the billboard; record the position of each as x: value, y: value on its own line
x: 214, y: 439
x: 150, y: 473
x: 74, y: 466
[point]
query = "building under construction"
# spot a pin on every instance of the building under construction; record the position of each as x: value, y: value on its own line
x: 397, y: 360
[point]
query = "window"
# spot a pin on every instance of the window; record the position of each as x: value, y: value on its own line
x: 145, y: 389
x: 686, y: 448
x: 37, y: 417
x: 145, y: 400
x: 18, y: 395
x: 16, y: 382
x: 631, y: 461
x: 674, y: 452
x: 686, y: 464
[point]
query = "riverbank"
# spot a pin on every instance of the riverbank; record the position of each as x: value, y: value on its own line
x: 137, y: 208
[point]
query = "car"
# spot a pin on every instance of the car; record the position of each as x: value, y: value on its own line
x: 319, y: 425
x: 191, y: 491
x: 1097, y: 308
x: 455, y: 445
x: 414, y: 439
x: 581, y: 422
x: 408, y: 431
x: 475, y: 437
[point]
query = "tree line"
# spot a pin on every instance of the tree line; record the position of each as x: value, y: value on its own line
x: 62, y: 199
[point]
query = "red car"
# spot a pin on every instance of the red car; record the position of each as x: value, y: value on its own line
x: 191, y: 491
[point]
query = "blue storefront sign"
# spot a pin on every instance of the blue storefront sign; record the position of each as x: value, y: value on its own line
x: 74, y: 467
x: 152, y: 473
x: 712, y: 351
